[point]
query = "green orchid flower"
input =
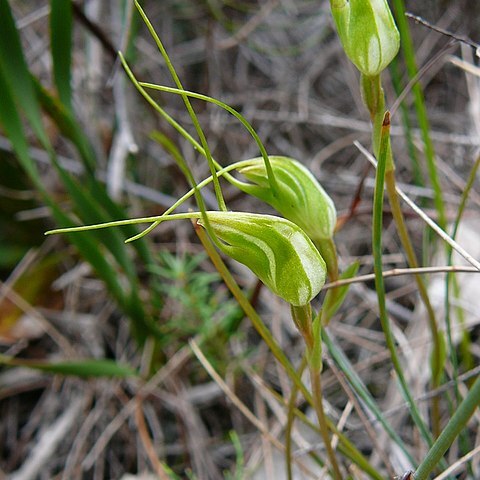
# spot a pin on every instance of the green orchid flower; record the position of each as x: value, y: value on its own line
x: 298, y: 197
x: 277, y: 251
x: 368, y: 33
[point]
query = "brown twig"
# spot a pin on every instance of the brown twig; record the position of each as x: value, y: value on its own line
x: 396, y: 272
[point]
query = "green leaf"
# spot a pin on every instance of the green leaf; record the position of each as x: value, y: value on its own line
x: 16, y: 73
x: 101, y: 201
x: 61, y: 47
x: 361, y: 390
x: 79, y: 368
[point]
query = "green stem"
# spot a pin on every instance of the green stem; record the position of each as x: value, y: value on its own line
x: 374, y: 98
x: 315, y: 376
x: 384, y: 153
x: 193, y: 116
x: 437, y: 357
x: 251, y: 313
x: 450, y: 432
x: 290, y: 421
x: 302, y: 317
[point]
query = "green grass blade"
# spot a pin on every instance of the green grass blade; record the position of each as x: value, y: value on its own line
x: 79, y: 368
x: 456, y: 424
x: 10, y: 119
x: 72, y: 130
x: 361, y: 390
x: 421, y: 110
x: 451, y: 282
x: 17, y: 88
x: 17, y: 75
x: 412, y: 152
x: 383, y: 158
x: 61, y: 48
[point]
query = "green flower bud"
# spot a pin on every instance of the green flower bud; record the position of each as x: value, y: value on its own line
x: 368, y: 33
x: 277, y: 251
x: 299, y: 197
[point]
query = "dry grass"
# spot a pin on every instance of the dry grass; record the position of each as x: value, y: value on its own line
x: 283, y: 68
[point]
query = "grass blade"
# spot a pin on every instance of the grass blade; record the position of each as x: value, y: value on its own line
x: 81, y: 368
x: 421, y: 110
x: 61, y: 48
x: 384, y: 154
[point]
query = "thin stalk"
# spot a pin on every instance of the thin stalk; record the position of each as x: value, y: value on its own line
x: 186, y: 101
x: 451, y: 280
x: 374, y: 98
x: 345, y: 446
x: 290, y: 420
x: 302, y: 317
x: 437, y: 357
x: 384, y: 153
x: 315, y: 376
x: 450, y: 432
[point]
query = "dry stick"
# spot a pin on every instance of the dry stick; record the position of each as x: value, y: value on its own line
x: 6, y: 291
x: 174, y: 363
x: 147, y: 442
x: 49, y: 441
x: 455, y: 466
x: 439, y: 231
x: 396, y: 272
x: 447, y: 33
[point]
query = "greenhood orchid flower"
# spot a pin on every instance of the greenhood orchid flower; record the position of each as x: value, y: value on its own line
x: 299, y: 197
x: 368, y: 33
x: 277, y: 251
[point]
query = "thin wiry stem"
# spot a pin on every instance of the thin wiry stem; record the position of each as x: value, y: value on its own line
x: 396, y: 272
